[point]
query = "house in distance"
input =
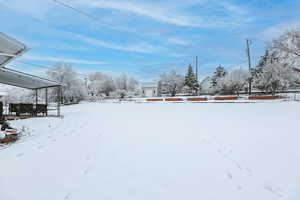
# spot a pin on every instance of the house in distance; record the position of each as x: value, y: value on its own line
x: 149, y: 89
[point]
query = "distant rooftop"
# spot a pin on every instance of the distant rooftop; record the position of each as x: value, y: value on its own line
x: 149, y: 84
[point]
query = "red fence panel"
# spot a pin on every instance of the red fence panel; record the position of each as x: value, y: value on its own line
x: 225, y: 98
x: 154, y: 100
x: 174, y: 99
x: 197, y: 99
x: 264, y: 97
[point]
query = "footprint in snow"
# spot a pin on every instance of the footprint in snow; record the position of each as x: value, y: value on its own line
x: 239, y: 187
x: 20, y: 155
x: 67, y: 196
x: 238, y: 165
x: 229, y: 175
x: 88, y: 158
x: 249, y: 171
x: 276, y: 192
x: 86, y: 171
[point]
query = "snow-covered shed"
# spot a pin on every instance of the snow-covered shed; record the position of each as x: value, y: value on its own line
x: 149, y: 89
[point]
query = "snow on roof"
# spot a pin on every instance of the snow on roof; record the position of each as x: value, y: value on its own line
x: 149, y: 84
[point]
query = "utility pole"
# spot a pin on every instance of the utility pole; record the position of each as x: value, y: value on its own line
x: 197, y: 74
x: 249, y: 65
x: 197, y: 68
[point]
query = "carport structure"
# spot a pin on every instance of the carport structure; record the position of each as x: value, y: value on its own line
x: 10, y: 49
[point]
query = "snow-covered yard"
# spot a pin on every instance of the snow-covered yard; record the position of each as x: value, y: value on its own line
x: 157, y: 151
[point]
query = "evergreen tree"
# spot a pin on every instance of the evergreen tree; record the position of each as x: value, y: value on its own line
x: 219, y: 73
x: 191, y: 81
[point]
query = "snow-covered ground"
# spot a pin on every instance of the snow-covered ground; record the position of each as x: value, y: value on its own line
x: 128, y: 151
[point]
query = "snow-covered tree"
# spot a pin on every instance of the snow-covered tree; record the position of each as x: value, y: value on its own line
x: 123, y: 82
x: 275, y: 76
x: 172, y: 82
x: 191, y: 84
x: 278, y: 69
x: 205, y: 86
x: 19, y: 95
x: 218, y: 74
x: 287, y: 46
x: 234, y: 81
x: 101, y: 84
x: 73, y: 89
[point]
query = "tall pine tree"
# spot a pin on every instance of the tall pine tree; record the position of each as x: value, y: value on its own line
x: 191, y: 81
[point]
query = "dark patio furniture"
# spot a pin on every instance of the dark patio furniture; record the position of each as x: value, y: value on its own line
x: 14, y: 108
x: 1, y: 111
x: 41, y: 108
x: 26, y: 108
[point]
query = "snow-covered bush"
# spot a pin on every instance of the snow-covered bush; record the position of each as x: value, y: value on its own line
x: 119, y: 94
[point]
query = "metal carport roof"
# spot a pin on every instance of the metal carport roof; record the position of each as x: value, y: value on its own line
x: 23, y: 80
x: 9, y: 50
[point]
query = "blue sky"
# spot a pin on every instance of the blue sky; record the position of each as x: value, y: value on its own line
x: 144, y: 38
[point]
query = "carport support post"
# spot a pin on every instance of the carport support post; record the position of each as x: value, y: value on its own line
x: 58, y: 100
x: 36, y: 100
x: 36, y: 96
x: 46, y: 100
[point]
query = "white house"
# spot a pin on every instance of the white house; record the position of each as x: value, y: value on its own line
x: 149, y: 90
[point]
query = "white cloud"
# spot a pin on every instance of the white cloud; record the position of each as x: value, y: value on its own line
x: 278, y: 29
x: 61, y: 59
x: 35, y: 8
x: 138, y: 48
x: 171, y: 11
x: 157, y: 13
x: 178, y: 41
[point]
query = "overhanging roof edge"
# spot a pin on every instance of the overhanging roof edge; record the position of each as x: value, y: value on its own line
x: 40, y: 82
x: 17, y: 54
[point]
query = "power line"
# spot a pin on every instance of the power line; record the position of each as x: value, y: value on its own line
x: 87, y: 14
x: 42, y: 66
x: 95, y: 18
